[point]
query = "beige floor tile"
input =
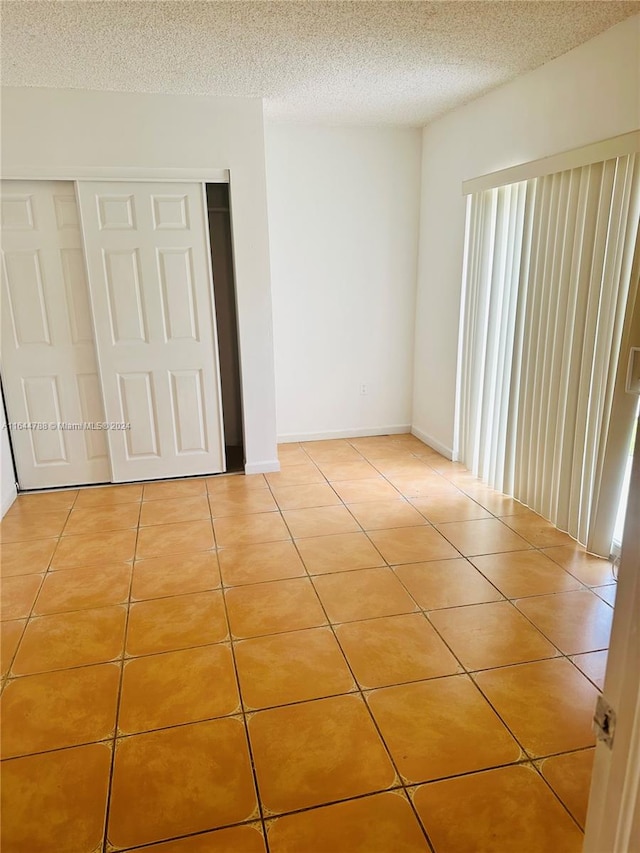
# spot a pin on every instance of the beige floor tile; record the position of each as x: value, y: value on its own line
x: 494, y: 634
x: 171, y: 510
x: 182, y: 780
x: 178, y: 622
x: 363, y: 594
x: 10, y: 634
x: 167, y: 489
x: 17, y: 595
x: 412, y: 545
x: 320, y: 521
x: 177, y: 574
x: 355, y: 468
x: 296, y: 475
x: 179, y: 538
x: 65, y: 640
x: 271, y: 608
x: 250, y: 529
x: 376, y: 445
x: 340, y: 552
x: 305, y: 496
x: 316, y: 752
x: 338, y: 449
x: 91, y: 549
x: 449, y: 507
x: 292, y: 667
x: 380, y: 515
x: 508, y: 809
x: 461, y: 478
x: 521, y: 573
x: 446, y: 583
x: 267, y: 561
x: 428, y: 741
x: 537, y: 530
x: 241, y: 502
x: 593, y: 665
x: 26, y: 558
x: 495, y: 502
x: 378, y: 824
x: 570, y: 777
x: 108, y: 495
x: 177, y: 687
x: 448, y: 468
x: 422, y: 485
x: 291, y: 454
x: 395, y: 649
x: 22, y: 528
x: 417, y: 446
x: 410, y: 442
x: 401, y: 463
x: 81, y: 590
x: 548, y: 705
x: 358, y: 491
x: 246, y: 838
x: 574, y: 621
x: 231, y: 483
x: 99, y: 519
x: 607, y: 593
x: 53, y: 710
x: 44, y: 502
x: 182, y: 751
x: 483, y: 536
x: 591, y: 570
x: 66, y: 790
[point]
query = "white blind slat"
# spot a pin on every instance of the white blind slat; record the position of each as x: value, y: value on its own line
x: 547, y: 271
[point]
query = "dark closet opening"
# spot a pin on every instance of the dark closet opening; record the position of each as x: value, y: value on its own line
x: 224, y: 289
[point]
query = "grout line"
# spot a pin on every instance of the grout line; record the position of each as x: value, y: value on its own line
x: 538, y: 770
x: 357, y: 690
x: 361, y: 694
x: 105, y: 842
x: 243, y: 710
x: 43, y: 575
x: 202, y: 833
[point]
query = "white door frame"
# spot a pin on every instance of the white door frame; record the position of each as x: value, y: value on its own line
x: 613, y: 817
x: 119, y: 173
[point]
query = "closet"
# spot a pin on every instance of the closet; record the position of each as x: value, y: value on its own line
x: 110, y: 365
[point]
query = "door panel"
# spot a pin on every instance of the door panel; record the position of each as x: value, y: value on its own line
x: 150, y: 282
x: 49, y: 369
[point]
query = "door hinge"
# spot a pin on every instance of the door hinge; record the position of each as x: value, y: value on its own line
x: 604, y: 721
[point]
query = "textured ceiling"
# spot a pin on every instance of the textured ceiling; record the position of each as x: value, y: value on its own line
x: 358, y: 62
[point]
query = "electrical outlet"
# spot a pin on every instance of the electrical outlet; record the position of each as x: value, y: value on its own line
x: 363, y: 390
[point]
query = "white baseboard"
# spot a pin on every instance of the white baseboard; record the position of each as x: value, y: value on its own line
x: 7, y: 501
x: 432, y: 442
x: 268, y: 467
x: 287, y: 438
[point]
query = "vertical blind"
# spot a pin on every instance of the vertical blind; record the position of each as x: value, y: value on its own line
x: 547, y: 278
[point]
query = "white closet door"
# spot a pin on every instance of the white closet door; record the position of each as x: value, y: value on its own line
x: 150, y: 281
x: 49, y: 371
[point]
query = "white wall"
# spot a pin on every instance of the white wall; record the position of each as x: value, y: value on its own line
x: 7, y: 477
x: 589, y: 94
x: 343, y: 222
x: 54, y: 132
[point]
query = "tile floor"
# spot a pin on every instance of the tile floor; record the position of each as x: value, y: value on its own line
x: 367, y: 652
